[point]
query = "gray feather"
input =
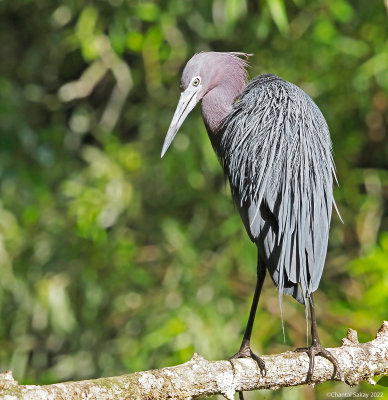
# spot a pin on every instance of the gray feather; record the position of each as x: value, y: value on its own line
x: 276, y: 151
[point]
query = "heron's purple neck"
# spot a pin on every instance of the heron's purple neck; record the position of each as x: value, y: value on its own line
x: 218, y: 102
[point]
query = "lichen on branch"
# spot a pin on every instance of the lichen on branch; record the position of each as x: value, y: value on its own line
x: 200, y: 377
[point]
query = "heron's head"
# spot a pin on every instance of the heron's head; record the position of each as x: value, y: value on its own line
x: 202, y: 73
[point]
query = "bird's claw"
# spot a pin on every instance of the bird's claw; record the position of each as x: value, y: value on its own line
x: 316, y: 349
x: 246, y: 352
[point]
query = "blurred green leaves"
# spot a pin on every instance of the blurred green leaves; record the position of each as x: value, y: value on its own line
x: 278, y: 13
x: 147, y: 11
x: 86, y: 32
x: 102, y: 192
x: 113, y: 260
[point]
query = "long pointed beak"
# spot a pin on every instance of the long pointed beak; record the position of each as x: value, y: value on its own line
x: 187, y: 102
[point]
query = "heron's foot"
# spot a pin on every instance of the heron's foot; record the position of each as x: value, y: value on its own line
x: 316, y: 349
x: 246, y: 352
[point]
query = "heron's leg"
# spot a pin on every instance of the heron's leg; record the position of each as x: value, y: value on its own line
x: 245, y: 349
x: 316, y: 347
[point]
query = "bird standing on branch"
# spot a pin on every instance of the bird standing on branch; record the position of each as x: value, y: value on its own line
x: 275, y: 148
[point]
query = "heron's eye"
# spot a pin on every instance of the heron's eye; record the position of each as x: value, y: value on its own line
x: 196, y: 82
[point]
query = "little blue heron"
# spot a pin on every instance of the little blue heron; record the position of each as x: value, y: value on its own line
x: 275, y: 148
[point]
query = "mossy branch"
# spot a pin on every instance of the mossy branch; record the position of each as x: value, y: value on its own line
x: 200, y: 377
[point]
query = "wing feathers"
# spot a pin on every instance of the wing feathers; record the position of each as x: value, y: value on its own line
x: 276, y: 151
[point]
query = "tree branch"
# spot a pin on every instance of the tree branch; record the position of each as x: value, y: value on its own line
x: 200, y: 377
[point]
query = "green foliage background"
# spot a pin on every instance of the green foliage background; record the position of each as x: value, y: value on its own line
x: 113, y: 260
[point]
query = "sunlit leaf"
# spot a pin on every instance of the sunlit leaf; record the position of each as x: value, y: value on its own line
x: 278, y: 12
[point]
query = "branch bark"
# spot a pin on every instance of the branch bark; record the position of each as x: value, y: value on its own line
x: 200, y: 377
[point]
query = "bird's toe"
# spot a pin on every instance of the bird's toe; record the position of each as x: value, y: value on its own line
x: 246, y: 352
x: 317, y: 350
x: 260, y: 362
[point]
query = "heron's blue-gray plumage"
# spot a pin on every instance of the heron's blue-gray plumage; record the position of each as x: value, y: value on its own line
x: 275, y: 147
x: 276, y: 151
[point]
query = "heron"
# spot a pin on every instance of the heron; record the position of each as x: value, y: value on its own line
x: 275, y: 149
